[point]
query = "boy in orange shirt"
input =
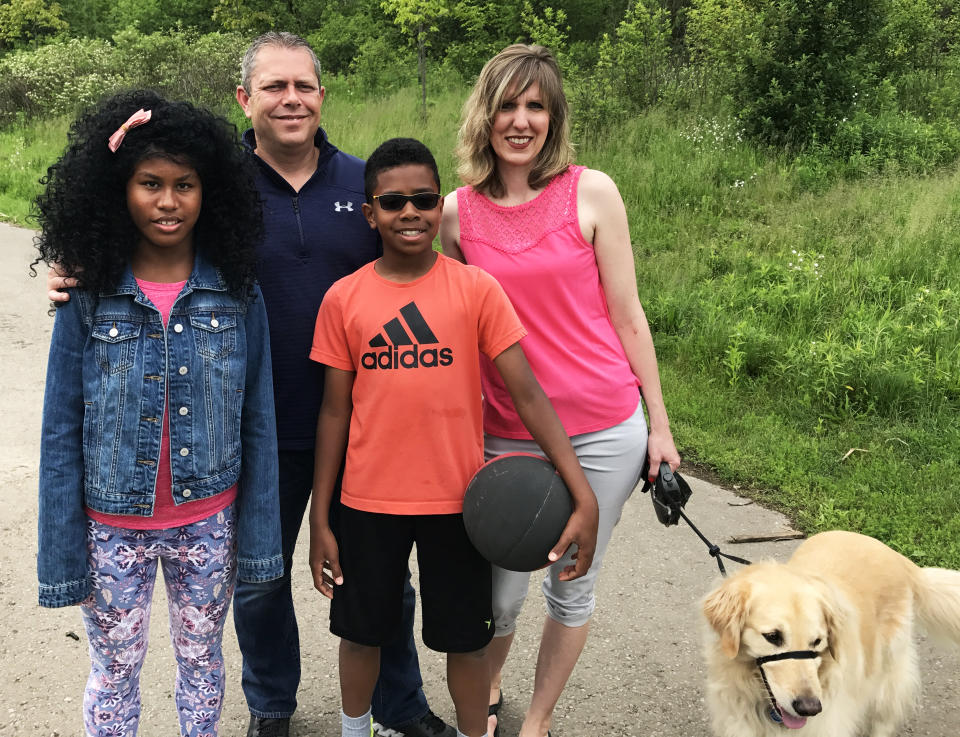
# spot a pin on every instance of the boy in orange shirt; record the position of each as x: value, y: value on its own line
x: 401, y: 339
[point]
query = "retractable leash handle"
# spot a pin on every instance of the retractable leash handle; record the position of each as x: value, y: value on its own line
x: 670, y: 492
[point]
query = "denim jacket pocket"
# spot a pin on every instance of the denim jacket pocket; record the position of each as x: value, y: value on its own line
x: 215, y: 334
x: 116, y: 344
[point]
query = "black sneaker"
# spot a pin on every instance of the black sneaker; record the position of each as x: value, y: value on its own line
x: 266, y: 727
x: 429, y: 725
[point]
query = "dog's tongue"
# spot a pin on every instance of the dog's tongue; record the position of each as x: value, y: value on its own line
x: 790, y: 721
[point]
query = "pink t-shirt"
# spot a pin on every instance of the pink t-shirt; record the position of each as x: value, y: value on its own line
x: 166, y: 514
x: 538, y: 254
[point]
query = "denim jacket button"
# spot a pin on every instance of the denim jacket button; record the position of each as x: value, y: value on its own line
x: 178, y: 328
x: 184, y: 452
x: 186, y: 493
x: 114, y: 332
x: 183, y: 411
x: 214, y: 323
x: 182, y: 370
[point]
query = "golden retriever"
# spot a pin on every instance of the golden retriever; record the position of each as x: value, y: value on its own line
x: 823, y: 644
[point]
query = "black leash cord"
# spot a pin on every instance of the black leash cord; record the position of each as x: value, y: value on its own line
x: 715, y: 551
x: 672, y: 495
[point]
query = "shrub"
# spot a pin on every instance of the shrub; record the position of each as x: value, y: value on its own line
x: 63, y: 77
x: 382, y: 66
x: 28, y: 21
x: 204, y: 69
x: 800, y: 72
x: 629, y: 74
x: 336, y: 43
x: 641, y: 56
x: 58, y: 78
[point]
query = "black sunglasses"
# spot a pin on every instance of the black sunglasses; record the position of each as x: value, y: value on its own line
x: 421, y: 200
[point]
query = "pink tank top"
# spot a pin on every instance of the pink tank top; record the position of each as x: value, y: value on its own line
x: 166, y: 514
x: 538, y: 254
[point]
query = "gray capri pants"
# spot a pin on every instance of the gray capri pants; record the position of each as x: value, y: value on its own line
x: 612, y: 460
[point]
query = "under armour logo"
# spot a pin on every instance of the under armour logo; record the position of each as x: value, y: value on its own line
x: 338, y: 207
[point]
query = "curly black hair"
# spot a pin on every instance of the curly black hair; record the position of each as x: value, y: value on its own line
x: 86, y: 228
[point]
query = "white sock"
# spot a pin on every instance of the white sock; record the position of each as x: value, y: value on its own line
x: 361, y: 726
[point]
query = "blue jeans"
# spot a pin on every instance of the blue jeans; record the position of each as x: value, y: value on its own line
x: 270, y: 641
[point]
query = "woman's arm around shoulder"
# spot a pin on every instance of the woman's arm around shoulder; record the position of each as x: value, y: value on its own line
x: 603, y: 222
x: 450, y: 228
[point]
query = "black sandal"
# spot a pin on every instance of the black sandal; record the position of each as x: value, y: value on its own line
x: 493, y: 710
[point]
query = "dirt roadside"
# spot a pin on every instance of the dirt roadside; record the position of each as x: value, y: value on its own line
x: 641, y: 674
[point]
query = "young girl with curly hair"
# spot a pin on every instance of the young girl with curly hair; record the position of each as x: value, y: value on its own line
x: 159, y: 441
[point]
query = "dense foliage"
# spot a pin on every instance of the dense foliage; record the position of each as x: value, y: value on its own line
x: 874, y: 82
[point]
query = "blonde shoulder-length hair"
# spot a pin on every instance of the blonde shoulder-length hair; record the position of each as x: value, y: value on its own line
x: 511, y: 72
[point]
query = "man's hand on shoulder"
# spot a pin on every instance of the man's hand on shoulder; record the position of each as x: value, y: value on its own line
x: 56, y: 282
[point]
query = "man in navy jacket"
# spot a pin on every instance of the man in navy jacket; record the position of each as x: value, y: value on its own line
x: 315, y: 234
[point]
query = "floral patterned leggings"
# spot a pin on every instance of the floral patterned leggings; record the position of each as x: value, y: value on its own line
x: 199, y: 570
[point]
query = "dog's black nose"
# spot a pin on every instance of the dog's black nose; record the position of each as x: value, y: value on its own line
x: 807, y: 707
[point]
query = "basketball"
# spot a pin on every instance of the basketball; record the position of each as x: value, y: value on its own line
x: 515, y: 509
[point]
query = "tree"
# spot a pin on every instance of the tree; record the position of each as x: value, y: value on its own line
x: 87, y: 18
x: 144, y: 15
x: 418, y: 17
x: 550, y: 29
x: 252, y: 17
x: 475, y: 30
x: 794, y: 68
x: 24, y: 22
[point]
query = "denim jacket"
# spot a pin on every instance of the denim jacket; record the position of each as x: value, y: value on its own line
x: 111, y: 363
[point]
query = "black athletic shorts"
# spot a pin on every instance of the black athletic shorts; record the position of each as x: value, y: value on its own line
x: 455, y: 580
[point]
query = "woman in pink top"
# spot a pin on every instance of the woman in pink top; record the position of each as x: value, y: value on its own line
x: 556, y: 237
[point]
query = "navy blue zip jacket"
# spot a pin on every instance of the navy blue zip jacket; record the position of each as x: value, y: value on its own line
x: 311, y: 238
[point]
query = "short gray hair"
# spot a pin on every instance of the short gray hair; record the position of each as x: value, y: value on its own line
x: 280, y: 39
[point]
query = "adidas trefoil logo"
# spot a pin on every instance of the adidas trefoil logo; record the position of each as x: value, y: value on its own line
x: 404, y: 351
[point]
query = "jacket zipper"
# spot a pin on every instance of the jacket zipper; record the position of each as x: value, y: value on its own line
x: 296, y: 210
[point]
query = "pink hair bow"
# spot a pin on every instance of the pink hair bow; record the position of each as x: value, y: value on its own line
x: 138, y: 118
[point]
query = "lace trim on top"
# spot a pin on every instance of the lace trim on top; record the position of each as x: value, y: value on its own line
x: 519, y: 228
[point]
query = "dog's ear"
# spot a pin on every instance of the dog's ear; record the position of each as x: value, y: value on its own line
x: 726, y: 610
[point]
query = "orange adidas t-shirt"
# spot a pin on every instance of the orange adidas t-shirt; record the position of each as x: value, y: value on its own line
x: 416, y: 435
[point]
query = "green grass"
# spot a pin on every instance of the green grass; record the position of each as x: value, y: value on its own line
x: 27, y: 149
x: 774, y: 368
x: 828, y: 387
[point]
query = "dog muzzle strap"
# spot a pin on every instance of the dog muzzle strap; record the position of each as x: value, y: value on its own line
x: 791, y: 655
